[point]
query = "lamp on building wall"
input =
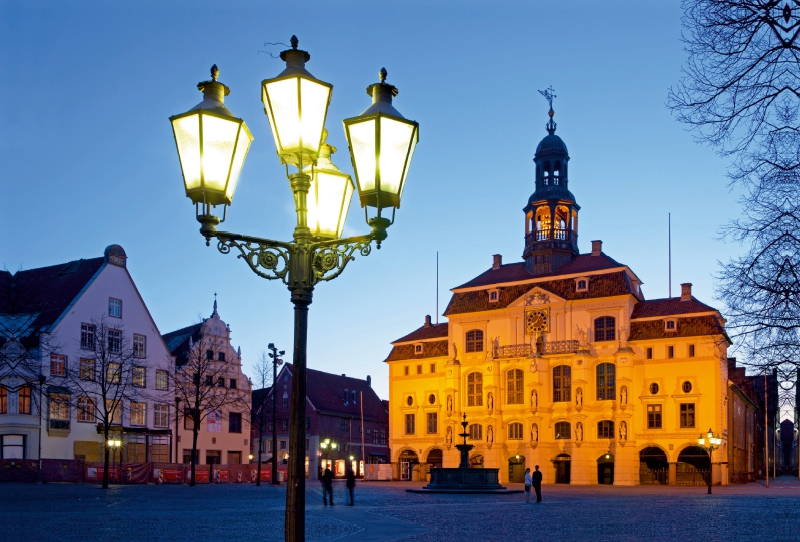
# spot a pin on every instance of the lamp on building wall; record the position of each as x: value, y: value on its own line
x: 714, y: 441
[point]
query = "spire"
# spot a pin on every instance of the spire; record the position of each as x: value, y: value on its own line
x: 239, y: 353
x: 548, y: 94
x: 213, y: 314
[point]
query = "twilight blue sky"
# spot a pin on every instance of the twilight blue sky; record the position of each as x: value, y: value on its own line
x: 88, y: 157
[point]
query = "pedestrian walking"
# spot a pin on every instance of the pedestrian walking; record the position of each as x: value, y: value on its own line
x: 327, y: 486
x: 536, y: 482
x: 351, y: 485
x: 528, y: 483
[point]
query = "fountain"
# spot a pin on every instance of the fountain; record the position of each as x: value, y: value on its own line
x: 464, y: 479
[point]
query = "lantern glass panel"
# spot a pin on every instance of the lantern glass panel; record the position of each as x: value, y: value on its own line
x: 362, y: 143
x: 283, y: 101
x: 242, y: 147
x: 219, y: 141
x: 395, y: 142
x: 328, y: 202
x: 187, y: 136
x: 314, y: 103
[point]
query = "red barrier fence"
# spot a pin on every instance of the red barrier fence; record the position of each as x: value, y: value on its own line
x: 62, y: 470
x: 19, y: 470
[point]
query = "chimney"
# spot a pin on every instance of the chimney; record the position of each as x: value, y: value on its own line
x: 686, y: 291
x: 597, y: 248
x: 427, y: 320
x: 369, y: 381
x: 344, y: 374
x: 497, y: 261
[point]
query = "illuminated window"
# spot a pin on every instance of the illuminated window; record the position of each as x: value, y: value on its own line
x: 562, y: 383
x: 87, y: 369
x: 59, y: 406
x: 138, y: 413
x: 114, y: 410
x: 475, y: 340
x: 3, y: 400
x: 162, y: 380
x: 86, y: 409
x: 514, y: 386
x: 24, y: 406
x: 563, y: 430
x: 605, y: 429
x: 113, y: 373
x: 58, y: 365
x: 139, y: 377
x: 606, y: 386
x: 604, y: 329
x: 475, y: 389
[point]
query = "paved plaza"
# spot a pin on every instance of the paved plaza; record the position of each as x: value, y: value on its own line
x: 385, y: 511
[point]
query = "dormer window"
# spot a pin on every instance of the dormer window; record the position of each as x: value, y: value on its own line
x: 582, y: 285
x: 418, y: 349
x: 494, y: 296
x: 670, y: 325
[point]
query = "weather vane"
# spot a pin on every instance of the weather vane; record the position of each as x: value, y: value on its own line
x: 548, y: 95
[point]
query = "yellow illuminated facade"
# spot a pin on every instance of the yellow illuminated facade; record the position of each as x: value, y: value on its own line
x: 559, y: 361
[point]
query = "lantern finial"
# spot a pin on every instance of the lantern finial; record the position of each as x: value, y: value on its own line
x: 294, y: 41
x: 382, y: 74
x: 214, y: 72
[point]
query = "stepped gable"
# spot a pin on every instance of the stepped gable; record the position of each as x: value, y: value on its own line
x: 674, y: 306
x: 604, y: 285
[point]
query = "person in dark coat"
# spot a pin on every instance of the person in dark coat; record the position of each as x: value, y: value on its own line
x: 327, y: 486
x: 536, y: 479
x: 351, y: 485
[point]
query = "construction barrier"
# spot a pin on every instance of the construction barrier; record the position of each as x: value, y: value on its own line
x: 168, y: 473
x: 19, y: 470
x: 135, y: 473
x: 62, y: 470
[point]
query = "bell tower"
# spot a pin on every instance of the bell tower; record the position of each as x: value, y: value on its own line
x: 551, y: 216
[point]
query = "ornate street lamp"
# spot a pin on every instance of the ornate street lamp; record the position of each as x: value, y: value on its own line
x: 714, y: 442
x: 381, y: 144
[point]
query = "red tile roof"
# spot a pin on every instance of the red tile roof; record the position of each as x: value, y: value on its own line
x: 668, y: 307
x: 516, y: 271
x: 692, y: 326
x: 432, y: 331
x: 605, y: 285
x: 432, y: 349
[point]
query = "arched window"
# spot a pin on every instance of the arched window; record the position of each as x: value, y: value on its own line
x: 606, y: 383
x: 475, y: 340
x: 515, y: 431
x: 515, y: 381
x: 605, y: 329
x: 605, y: 429
x: 563, y: 430
x: 562, y: 383
x: 475, y: 431
x: 475, y: 389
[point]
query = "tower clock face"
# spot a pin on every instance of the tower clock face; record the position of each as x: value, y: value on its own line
x: 536, y: 321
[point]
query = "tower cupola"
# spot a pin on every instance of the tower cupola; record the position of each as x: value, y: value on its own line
x: 551, y: 216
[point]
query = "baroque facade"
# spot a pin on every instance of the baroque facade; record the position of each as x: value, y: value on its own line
x: 560, y: 361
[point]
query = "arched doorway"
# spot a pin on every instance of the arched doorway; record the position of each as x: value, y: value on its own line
x: 605, y: 469
x: 407, y: 461
x: 693, y: 467
x: 476, y: 461
x: 562, y: 463
x: 516, y: 469
x: 653, y: 466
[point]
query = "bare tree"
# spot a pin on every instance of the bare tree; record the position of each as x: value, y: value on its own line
x: 103, y: 380
x: 261, y: 407
x: 201, y: 378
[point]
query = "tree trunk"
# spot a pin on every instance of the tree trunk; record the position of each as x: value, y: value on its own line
x: 260, y: 440
x: 105, y: 447
x: 194, y: 452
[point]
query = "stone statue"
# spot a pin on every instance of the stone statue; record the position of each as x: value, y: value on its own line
x: 623, y: 395
x: 623, y: 431
x: 623, y: 337
x: 489, y: 435
x: 448, y: 437
x: 455, y: 352
x: 579, y: 431
x: 579, y: 397
x: 534, y: 433
x: 490, y: 402
x: 581, y: 337
x: 534, y: 399
x: 449, y: 406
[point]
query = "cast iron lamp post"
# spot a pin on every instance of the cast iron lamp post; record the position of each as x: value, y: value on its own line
x: 114, y: 444
x: 276, y: 360
x: 713, y: 443
x: 212, y: 145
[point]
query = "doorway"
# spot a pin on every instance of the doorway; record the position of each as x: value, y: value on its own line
x: 563, y: 463
x: 407, y: 461
x: 516, y: 469
x: 605, y: 469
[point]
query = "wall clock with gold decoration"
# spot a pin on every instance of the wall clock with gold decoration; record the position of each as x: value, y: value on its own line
x: 537, y: 321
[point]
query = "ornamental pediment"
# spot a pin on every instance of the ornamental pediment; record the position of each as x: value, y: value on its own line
x: 537, y: 297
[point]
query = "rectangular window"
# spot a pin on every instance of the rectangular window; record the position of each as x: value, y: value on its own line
x: 375, y: 437
x: 209, y: 380
x: 234, y: 422
x: 139, y: 377
x: 162, y: 380
x: 139, y: 346
x: 115, y: 307
x: 59, y: 406
x: 161, y: 415
x: 114, y: 341
x: 649, y: 354
x: 58, y: 365
x: 85, y: 409
x: 605, y: 429
x: 220, y: 356
x: 433, y: 367
x: 282, y: 445
x: 419, y: 369
x: 87, y: 369
x: 138, y: 413
x: 210, y: 355
x: 654, y: 416
x: 284, y: 425
x: 405, y: 370
x: 188, y: 419
x: 687, y: 415
x: 87, y: 336
x: 432, y: 423
x: 308, y: 423
x: 691, y: 350
x: 233, y: 383
x: 24, y: 406
x: 221, y: 382
x: 476, y: 431
x: 114, y: 409
x: 383, y: 438
x: 113, y: 373
x: 670, y: 352
x: 344, y: 424
x: 3, y: 400
x: 562, y: 383
x: 410, y: 424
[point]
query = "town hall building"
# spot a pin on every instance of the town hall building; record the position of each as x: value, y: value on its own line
x: 560, y: 361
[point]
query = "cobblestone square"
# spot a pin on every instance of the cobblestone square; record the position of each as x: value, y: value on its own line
x: 385, y: 511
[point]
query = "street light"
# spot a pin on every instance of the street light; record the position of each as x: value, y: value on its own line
x: 276, y: 360
x: 381, y: 143
x: 114, y: 444
x: 714, y: 442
